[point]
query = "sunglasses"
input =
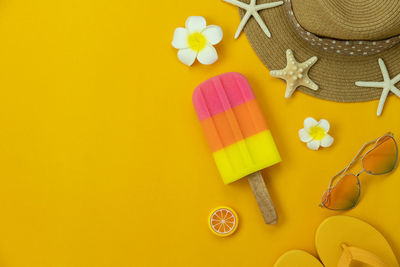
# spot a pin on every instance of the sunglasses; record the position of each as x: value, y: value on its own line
x: 380, y: 159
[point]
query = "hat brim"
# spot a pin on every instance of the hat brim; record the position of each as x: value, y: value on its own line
x: 334, y: 73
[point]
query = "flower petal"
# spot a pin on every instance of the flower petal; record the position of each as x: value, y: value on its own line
x: 180, y: 38
x: 208, y: 55
x: 187, y: 56
x: 213, y: 34
x: 324, y: 125
x: 327, y: 141
x: 309, y: 122
x: 314, y: 144
x: 195, y: 24
x: 304, y: 136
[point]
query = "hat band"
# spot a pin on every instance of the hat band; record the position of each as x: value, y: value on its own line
x: 345, y: 47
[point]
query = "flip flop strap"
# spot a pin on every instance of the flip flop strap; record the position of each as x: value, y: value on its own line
x: 357, y: 254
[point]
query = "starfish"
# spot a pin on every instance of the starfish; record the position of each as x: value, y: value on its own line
x: 387, y: 85
x: 295, y: 74
x: 252, y: 10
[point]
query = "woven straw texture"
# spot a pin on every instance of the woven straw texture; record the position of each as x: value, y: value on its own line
x: 337, y: 68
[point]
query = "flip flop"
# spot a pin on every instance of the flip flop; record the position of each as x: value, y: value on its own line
x: 343, y: 240
x: 297, y: 258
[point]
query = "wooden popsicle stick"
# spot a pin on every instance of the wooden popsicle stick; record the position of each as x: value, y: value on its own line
x: 263, y: 198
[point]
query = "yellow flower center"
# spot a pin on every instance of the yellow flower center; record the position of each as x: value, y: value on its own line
x: 197, y: 41
x: 317, y: 133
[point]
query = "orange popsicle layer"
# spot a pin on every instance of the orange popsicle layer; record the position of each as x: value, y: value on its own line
x: 233, y: 125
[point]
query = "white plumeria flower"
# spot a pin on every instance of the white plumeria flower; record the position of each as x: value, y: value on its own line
x: 196, y: 41
x: 315, y: 134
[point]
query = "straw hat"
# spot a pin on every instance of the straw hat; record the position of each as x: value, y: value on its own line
x: 347, y: 36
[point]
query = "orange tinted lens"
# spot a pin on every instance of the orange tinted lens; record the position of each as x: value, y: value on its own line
x: 382, y: 158
x: 344, y: 195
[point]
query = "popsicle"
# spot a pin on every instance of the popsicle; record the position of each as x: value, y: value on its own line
x: 236, y: 131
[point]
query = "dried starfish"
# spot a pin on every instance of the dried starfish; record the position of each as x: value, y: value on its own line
x: 252, y: 10
x: 387, y: 85
x: 295, y: 74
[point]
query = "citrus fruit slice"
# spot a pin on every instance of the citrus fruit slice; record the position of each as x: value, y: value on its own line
x: 223, y: 221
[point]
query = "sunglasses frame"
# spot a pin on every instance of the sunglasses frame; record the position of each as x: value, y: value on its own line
x: 343, y: 173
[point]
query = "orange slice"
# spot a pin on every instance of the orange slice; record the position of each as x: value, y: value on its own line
x: 223, y: 221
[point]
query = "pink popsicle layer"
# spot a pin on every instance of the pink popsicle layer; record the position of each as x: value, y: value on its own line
x: 221, y: 93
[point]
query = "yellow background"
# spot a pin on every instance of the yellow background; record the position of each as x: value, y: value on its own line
x: 103, y: 161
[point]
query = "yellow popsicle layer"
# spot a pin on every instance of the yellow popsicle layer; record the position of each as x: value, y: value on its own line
x: 246, y: 156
